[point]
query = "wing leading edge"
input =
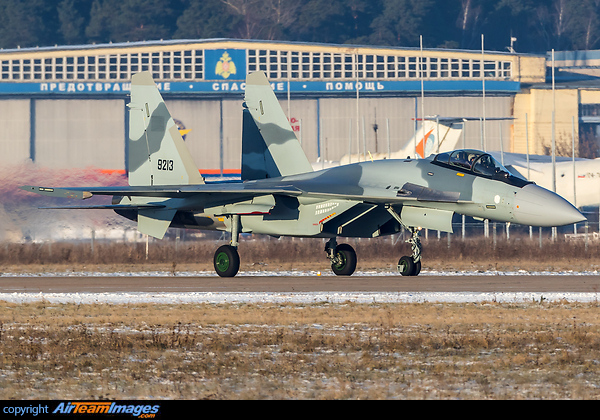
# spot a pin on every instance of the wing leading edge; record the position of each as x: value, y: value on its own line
x: 409, y: 192
x: 177, y: 191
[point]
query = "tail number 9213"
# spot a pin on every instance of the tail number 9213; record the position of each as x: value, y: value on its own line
x: 165, y: 164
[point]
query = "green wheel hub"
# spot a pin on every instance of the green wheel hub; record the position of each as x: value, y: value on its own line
x: 222, y: 261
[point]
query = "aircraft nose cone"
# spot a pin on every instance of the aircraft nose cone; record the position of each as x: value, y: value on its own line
x: 536, y: 206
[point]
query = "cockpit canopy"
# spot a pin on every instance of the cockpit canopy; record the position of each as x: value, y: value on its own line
x: 478, y: 162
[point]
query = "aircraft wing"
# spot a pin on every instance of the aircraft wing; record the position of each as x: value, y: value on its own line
x: 408, y: 192
x: 155, y: 217
x: 178, y: 191
x: 107, y: 207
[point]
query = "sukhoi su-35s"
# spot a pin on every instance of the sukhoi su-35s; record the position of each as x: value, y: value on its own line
x: 281, y: 195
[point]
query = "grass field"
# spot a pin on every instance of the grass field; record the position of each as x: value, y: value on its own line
x: 325, y: 351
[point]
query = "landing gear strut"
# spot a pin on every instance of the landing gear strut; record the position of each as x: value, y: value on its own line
x: 227, y: 260
x: 342, y: 257
x: 411, y: 265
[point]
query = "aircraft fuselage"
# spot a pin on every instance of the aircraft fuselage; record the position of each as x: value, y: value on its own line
x: 435, y: 191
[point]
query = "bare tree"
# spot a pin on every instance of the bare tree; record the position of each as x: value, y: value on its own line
x: 585, y: 33
x: 251, y: 26
x: 266, y: 19
x: 469, y: 22
x: 281, y: 15
x: 560, y: 20
x: 558, y: 23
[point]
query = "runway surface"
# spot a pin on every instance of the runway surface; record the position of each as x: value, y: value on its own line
x: 575, y: 283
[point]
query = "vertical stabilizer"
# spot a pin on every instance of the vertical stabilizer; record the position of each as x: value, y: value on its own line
x: 255, y: 155
x: 283, y: 154
x: 157, y: 153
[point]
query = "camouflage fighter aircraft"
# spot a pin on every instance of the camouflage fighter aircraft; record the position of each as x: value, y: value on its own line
x: 281, y: 195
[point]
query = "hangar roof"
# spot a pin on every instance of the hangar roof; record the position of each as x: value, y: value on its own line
x: 221, y: 64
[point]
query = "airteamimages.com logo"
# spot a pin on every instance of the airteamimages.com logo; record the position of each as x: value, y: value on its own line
x: 143, y: 411
x: 78, y: 408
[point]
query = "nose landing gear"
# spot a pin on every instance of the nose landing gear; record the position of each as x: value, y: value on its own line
x: 411, y: 265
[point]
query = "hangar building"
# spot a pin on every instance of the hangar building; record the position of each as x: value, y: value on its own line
x: 65, y: 106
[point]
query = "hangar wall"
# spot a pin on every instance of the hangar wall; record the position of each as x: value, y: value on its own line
x: 535, y: 107
x: 339, y: 130
x: 14, y: 130
x: 78, y: 133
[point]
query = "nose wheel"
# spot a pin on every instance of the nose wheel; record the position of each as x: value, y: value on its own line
x: 411, y: 265
x: 407, y: 267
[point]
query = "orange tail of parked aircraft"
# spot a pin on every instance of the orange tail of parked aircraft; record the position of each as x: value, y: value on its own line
x: 430, y: 138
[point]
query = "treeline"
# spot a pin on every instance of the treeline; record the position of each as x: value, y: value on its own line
x: 537, y: 25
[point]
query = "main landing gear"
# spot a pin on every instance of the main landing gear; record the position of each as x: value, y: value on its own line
x: 342, y: 257
x: 227, y: 260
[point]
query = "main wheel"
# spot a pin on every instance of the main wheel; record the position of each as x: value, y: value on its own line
x: 226, y: 261
x: 407, y: 266
x: 346, y: 260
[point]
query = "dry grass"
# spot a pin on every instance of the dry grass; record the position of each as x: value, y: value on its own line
x: 287, y: 253
x: 326, y: 351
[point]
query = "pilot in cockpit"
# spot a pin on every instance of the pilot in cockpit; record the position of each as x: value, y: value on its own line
x: 485, y: 165
x: 460, y: 158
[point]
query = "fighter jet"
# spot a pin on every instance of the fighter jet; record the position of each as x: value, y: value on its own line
x: 281, y: 195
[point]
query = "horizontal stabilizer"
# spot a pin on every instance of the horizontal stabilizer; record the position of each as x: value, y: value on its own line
x: 57, y: 192
x: 106, y: 207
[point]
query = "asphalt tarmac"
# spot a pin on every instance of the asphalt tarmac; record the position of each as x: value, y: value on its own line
x: 288, y: 284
